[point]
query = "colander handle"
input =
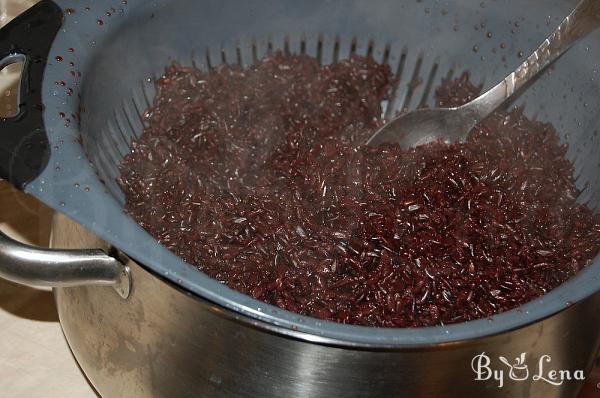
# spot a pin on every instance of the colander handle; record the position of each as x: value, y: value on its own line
x: 24, y: 149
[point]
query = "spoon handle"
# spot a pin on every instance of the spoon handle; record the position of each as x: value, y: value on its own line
x: 584, y: 19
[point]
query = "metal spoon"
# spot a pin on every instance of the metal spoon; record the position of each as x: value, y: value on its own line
x: 454, y: 124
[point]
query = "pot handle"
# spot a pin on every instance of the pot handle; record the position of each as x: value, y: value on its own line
x: 24, y: 148
x: 40, y: 267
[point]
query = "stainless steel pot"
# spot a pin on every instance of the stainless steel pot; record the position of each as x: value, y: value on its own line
x: 166, y: 329
x: 162, y: 341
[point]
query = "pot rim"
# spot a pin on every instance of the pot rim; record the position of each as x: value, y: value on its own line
x: 303, y: 335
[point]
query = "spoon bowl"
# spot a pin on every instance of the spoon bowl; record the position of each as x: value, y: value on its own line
x: 450, y: 125
x: 423, y: 126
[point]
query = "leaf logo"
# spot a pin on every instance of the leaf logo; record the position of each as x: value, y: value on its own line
x: 519, y: 370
